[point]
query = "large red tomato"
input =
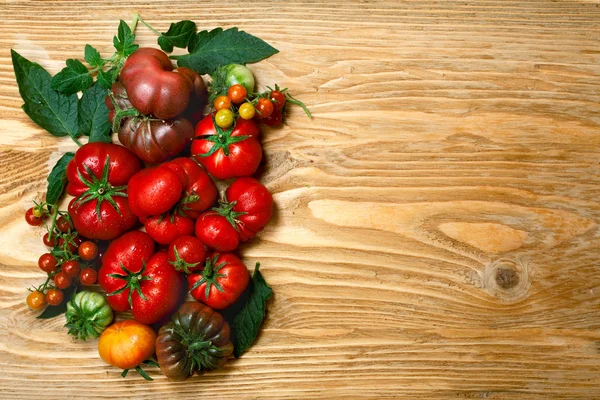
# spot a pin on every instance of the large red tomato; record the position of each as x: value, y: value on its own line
x: 227, y: 153
x: 200, y: 191
x: 154, y: 191
x: 221, y: 282
x: 136, y: 278
x: 98, y: 175
x: 166, y: 228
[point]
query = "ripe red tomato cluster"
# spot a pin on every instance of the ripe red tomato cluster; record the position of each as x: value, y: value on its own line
x: 154, y: 183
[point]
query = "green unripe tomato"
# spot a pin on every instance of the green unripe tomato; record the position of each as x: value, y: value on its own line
x: 239, y: 74
x: 88, y: 315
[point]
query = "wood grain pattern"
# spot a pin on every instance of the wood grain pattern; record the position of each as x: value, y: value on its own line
x: 436, y: 233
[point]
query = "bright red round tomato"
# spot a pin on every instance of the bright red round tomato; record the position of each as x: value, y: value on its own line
x: 251, y: 205
x: 221, y: 282
x: 155, y: 288
x: 62, y: 280
x: 264, y: 107
x: 166, y: 228
x: 54, y: 297
x: 63, y: 224
x: 187, y: 254
x: 216, y: 232
x: 88, y: 276
x: 200, y: 191
x: 227, y: 153
x: 278, y: 99
x: 71, y: 268
x: 153, y: 191
x: 88, y: 250
x: 98, y: 176
x: 47, y: 262
x: 50, y: 241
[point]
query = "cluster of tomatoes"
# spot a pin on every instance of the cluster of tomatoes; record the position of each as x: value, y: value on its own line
x: 70, y: 259
x: 161, y: 180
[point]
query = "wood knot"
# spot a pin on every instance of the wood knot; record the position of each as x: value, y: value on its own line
x: 508, y: 279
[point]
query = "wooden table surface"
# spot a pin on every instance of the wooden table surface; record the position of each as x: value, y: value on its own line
x: 436, y: 231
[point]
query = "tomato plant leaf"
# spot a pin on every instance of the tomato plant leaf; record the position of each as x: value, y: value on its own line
x: 123, y: 42
x: 93, y: 115
x: 107, y: 78
x: 178, y: 35
x: 211, y: 49
x: 55, y: 112
x: 74, y: 78
x: 58, y: 178
x: 55, y: 311
x: 92, y: 56
x: 247, y: 321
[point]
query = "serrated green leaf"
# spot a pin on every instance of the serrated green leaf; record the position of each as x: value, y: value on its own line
x: 58, y: 178
x: 107, y: 78
x: 92, y: 56
x: 211, y: 49
x: 247, y: 321
x: 74, y: 78
x: 178, y: 35
x: 51, y: 110
x: 123, y: 42
x: 93, y: 115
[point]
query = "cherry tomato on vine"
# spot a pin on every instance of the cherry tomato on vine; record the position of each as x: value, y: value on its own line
x: 63, y: 224
x: 88, y: 250
x: 247, y: 111
x: 47, y: 262
x: 88, y: 276
x: 275, y: 119
x: 62, y: 280
x: 34, y: 217
x: 222, y: 103
x: 224, y: 118
x: 50, y: 241
x: 54, y: 297
x: 36, y: 300
x: 264, y: 107
x: 237, y: 93
x: 71, y: 268
x: 277, y: 98
x: 73, y: 243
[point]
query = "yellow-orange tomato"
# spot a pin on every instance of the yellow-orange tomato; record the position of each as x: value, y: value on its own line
x: 126, y: 344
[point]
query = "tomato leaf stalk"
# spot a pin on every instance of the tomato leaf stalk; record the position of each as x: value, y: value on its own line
x: 222, y: 140
x: 141, y: 371
x: 225, y: 209
x: 99, y: 189
x: 132, y: 282
x: 210, y: 274
x: 202, y: 353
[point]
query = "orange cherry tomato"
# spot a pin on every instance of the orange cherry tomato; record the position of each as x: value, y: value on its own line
x: 237, y: 94
x: 222, y: 103
x: 126, y: 344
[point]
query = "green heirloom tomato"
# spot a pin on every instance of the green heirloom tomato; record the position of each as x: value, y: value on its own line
x: 239, y: 74
x: 88, y: 315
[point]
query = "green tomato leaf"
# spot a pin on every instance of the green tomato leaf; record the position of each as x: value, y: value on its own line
x: 92, y: 56
x: 123, y: 42
x: 55, y: 311
x: 211, y: 49
x: 107, y: 78
x: 246, y: 322
x: 178, y: 35
x: 74, y: 78
x: 93, y: 115
x: 55, y: 112
x: 58, y: 178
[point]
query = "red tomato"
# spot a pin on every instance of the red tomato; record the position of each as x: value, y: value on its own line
x: 275, y: 119
x: 71, y: 268
x: 50, y: 241
x: 88, y: 276
x: 252, y: 205
x: 166, y: 228
x: 264, y: 107
x: 153, y: 191
x: 221, y: 282
x: 186, y: 254
x: 63, y: 224
x: 62, y: 280
x: 278, y: 99
x: 216, y: 232
x: 98, y: 175
x: 154, y: 88
x: 33, y: 219
x: 200, y: 191
x: 227, y: 153
x: 152, y: 292
x: 47, y: 262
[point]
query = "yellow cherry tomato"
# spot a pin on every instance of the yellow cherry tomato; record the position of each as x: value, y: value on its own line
x: 224, y: 118
x: 247, y: 111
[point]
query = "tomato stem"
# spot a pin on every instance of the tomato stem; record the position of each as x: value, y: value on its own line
x: 136, y: 18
